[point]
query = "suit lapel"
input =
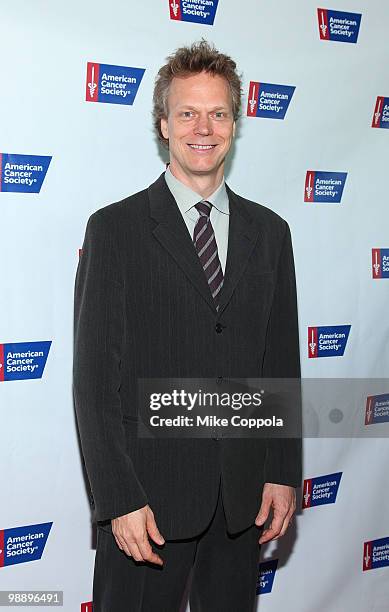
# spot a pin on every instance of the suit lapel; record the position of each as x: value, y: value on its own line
x: 242, y: 236
x: 173, y: 235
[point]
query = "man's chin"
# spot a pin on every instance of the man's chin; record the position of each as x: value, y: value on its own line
x: 204, y: 168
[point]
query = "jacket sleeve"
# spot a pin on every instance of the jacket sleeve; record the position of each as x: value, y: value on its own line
x: 282, y: 360
x: 98, y: 337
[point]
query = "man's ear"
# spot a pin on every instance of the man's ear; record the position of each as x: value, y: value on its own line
x: 164, y: 128
x: 233, y: 129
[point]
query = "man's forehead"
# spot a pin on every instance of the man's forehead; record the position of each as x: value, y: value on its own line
x: 197, y: 80
x: 212, y: 87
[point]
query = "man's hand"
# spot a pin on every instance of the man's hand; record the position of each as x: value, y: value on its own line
x: 131, y: 533
x: 282, y: 499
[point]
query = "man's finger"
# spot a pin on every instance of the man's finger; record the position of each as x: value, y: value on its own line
x: 135, y: 552
x: 268, y: 535
x: 140, y: 549
x: 147, y: 552
x: 273, y: 531
x: 278, y: 525
x: 286, y: 524
x: 122, y: 544
x: 152, y: 529
x: 263, y: 511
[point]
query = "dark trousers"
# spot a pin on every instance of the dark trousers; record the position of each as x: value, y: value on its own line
x: 224, y: 572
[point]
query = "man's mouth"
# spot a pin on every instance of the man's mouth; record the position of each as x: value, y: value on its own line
x: 199, y: 147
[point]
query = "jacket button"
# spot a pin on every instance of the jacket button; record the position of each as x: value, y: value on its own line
x: 219, y: 380
x: 218, y: 328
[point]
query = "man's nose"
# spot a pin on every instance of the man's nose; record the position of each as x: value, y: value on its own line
x: 203, y: 125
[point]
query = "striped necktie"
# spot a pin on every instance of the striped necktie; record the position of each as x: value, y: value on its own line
x: 206, y: 247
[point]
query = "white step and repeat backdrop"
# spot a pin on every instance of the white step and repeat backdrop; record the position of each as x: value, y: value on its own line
x: 312, y: 144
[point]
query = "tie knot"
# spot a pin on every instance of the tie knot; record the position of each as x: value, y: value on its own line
x: 204, y: 208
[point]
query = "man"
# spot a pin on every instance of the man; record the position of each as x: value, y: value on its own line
x: 184, y: 279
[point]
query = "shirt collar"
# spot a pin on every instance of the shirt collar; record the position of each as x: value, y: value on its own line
x: 186, y: 198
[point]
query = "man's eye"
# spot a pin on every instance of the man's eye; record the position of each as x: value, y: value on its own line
x: 220, y: 114
x: 187, y: 114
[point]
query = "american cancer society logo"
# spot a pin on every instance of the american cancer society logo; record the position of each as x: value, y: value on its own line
x: 327, y: 341
x: 267, y: 572
x: 381, y: 113
x: 321, y: 490
x: 196, y: 11
x: 380, y: 263
x: 22, y: 544
x: 376, y: 554
x: 112, y: 84
x: 23, y: 173
x: 325, y: 187
x: 23, y: 360
x: 377, y: 409
x: 269, y: 100
x: 338, y: 25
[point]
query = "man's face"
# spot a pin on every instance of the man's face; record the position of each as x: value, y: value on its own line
x: 200, y: 125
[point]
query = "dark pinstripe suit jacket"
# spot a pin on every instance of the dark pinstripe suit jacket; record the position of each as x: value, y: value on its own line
x: 143, y: 309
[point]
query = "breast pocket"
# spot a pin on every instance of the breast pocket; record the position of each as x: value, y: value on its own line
x: 256, y: 292
x: 257, y: 279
